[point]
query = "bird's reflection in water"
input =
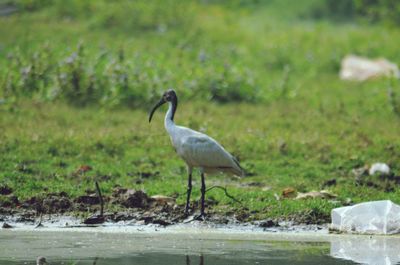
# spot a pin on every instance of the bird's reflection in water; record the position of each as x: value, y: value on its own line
x: 201, y: 260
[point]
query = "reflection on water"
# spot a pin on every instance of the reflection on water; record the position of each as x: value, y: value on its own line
x: 201, y: 262
x: 79, y: 248
x: 372, y: 250
x: 111, y: 249
x: 167, y: 259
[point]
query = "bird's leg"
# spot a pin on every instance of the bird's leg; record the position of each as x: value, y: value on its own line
x: 203, y: 194
x: 189, y: 191
x: 202, y: 215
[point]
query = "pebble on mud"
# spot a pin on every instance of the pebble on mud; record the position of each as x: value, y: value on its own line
x: 6, y: 226
x: 268, y: 223
x: 94, y: 220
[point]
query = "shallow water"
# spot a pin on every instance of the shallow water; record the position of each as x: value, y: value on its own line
x: 85, y: 248
x: 191, y: 246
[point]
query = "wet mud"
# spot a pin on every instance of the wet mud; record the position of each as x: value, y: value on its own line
x: 127, y: 205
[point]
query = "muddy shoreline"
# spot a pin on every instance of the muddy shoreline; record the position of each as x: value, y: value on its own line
x: 67, y: 222
x: 129, y: 207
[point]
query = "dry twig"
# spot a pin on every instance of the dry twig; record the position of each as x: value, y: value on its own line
x: 226, y: 193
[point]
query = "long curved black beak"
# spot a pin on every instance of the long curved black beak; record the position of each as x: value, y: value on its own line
x: 162, y: 101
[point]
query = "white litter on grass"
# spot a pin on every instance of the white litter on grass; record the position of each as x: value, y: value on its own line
x: 381, y: 168
x: 358, y: 68
x: 376, y: 217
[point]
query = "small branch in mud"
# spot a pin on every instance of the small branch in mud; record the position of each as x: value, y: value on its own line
x: 97, y: 219
x: 226, y: 193
x: 100, y: 199
x: 40, y: 221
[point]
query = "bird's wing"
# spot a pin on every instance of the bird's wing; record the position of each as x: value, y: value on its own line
x: 201, y: 150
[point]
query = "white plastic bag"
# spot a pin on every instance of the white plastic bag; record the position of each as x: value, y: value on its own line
x: 376, y: 217
x: 360, y: 69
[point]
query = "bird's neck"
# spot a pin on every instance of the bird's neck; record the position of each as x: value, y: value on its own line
x: 169, y: 117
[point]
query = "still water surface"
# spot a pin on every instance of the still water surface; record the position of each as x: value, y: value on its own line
x: 22, y: 247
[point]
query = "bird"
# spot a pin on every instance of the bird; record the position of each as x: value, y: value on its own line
x: 197, y: 149
x: 41, y: 261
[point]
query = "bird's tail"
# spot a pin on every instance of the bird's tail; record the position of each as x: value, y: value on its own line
x: 237, y: 170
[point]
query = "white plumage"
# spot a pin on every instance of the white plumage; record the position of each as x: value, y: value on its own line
x: 201, y: 151
x: 197, y: 149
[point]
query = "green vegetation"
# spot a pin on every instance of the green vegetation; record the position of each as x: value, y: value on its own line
x: 385, y: 12
x: 77, y: 79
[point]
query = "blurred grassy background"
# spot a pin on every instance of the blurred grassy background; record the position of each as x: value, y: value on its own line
x: 125, y: 52
x: 69, y: 70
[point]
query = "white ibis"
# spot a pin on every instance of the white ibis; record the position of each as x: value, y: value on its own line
x: 196, y: 149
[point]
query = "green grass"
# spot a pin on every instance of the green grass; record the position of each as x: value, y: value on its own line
x: 258, y: 79
x: 44, y: 144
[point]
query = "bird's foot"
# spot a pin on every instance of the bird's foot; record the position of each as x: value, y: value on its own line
x: 191, y: 218
x: 200, y: 217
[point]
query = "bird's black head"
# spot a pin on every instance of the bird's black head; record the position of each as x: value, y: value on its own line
x: 168, y: 96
